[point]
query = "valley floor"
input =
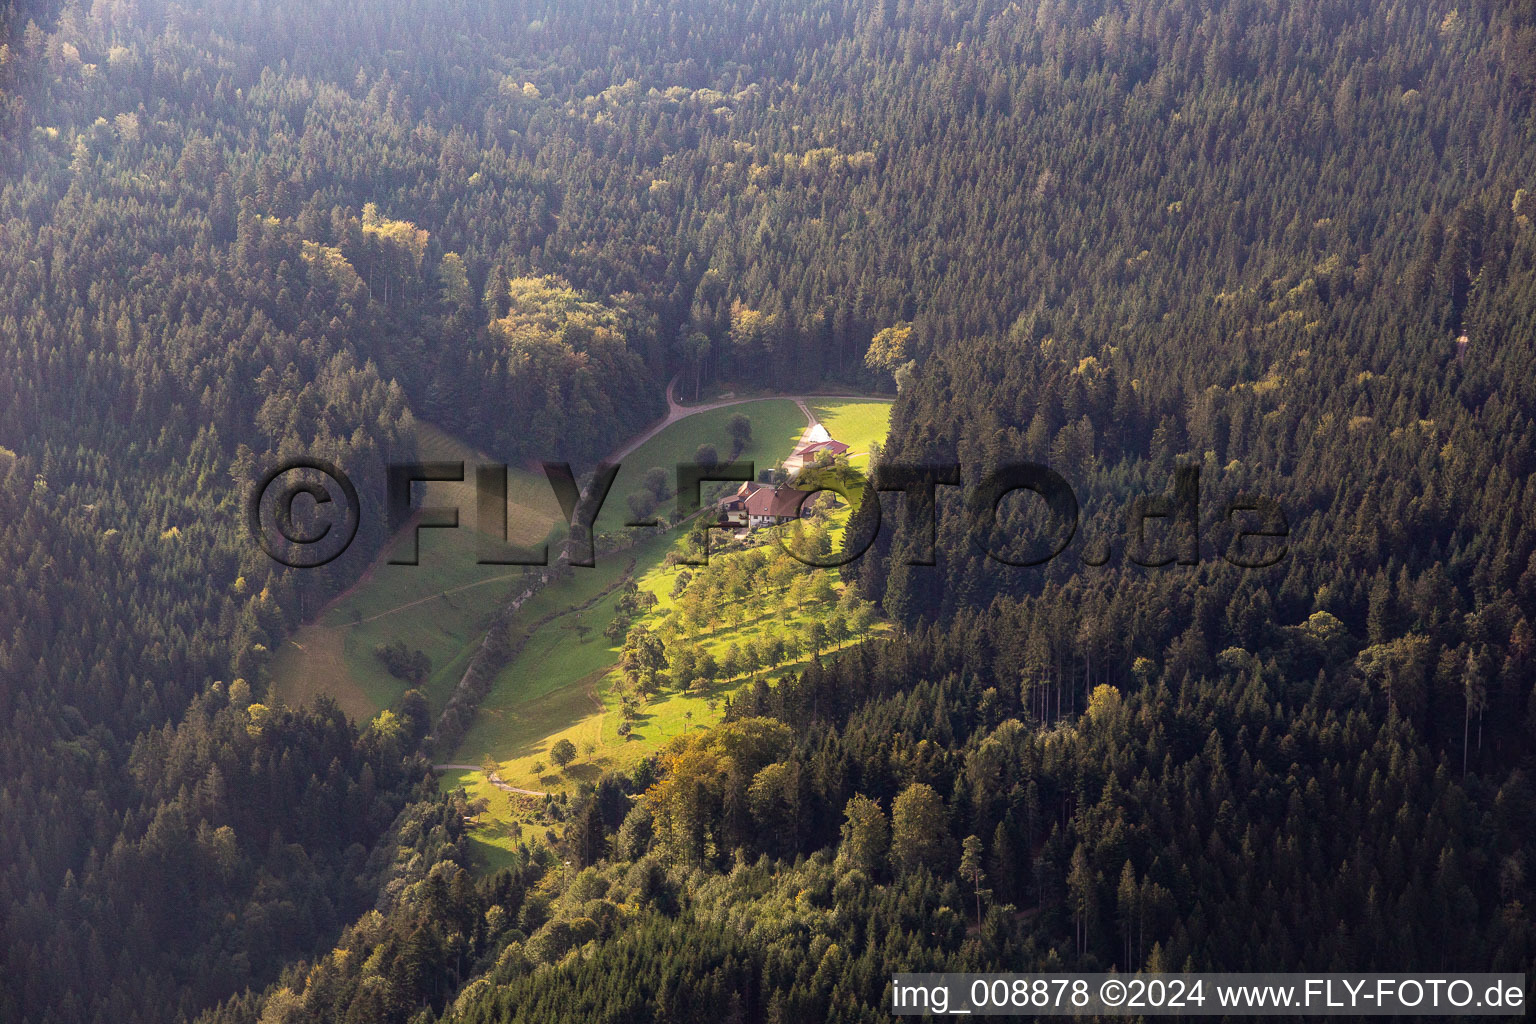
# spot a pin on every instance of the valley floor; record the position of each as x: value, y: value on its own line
x: 562, y: 683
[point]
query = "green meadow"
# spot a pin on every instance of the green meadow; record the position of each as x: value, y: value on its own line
x: 441, y: 606
x: 564, y: 681
x: 565, y: 684
x: 777, y: 424
x: 857, y: 423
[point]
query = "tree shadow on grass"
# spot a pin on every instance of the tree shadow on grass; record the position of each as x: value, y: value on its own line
x: 586, y: 772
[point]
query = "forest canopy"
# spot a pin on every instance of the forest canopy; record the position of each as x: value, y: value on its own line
x: 1290, y: 245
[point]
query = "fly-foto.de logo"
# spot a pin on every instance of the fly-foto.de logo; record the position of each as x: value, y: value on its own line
x: 1256, y: 525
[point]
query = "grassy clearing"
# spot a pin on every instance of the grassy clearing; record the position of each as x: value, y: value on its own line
x: 554, y: 688
x: 532, y: 510
x: 558, y: 685
x: 441, y: 606
x: 549, y: 689
x: 858, y: 423
x: 777, y: 424
x: 553, y: 691
x: 504, y: 818
x: 565, y: 682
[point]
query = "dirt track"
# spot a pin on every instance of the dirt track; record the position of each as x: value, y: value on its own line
x: 677, y: 411
x: 495, y: 779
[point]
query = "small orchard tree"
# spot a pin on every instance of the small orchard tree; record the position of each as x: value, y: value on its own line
x: 643, y: 654
x: 563, y: 752
x: 685, y: 661
x: 629, y: 706
x: 641, y: 505
x: 740, y: 428
x: 680, y: 584
x: 657, y: 482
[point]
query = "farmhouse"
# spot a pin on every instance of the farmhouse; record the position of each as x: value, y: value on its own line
x: 809, y: 451
x: 814, y: 443
x: 755, y: 505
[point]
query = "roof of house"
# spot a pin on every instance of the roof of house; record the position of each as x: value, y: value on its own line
x: 779, y: 502
x: 815, y: 448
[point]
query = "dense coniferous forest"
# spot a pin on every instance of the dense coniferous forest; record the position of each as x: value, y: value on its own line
x: 1288, y: 245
